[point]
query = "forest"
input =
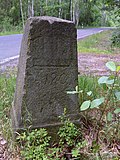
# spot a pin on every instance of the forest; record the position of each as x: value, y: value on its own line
x: 84, y: 13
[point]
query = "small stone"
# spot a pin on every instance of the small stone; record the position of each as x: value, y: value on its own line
x: 3, y: 142
x: 2, y: 150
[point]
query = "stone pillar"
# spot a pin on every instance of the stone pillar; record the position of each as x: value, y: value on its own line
x: 47, y: 70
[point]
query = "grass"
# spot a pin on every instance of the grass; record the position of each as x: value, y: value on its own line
x: 86, y: 84
x: 10, y: 32
x: 7, y: 88
x: 99, y: 43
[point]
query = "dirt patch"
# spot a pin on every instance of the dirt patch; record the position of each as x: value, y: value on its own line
x: 94, y: 64
x: 88, y: 64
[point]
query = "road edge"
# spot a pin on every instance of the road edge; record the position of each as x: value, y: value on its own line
x: 7, y: 60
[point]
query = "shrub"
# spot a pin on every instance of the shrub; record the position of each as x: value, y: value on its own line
x: 116, y: 38
x: 34, y: 143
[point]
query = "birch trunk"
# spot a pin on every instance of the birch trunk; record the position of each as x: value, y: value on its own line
x: 76, y: 12
x: 29, y: 9
x: 32, y: 8
x: 21, y: 9
x: 60, y: 9
x: 71, y: 10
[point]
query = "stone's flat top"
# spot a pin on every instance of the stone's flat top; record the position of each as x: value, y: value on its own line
x: 49, y: 19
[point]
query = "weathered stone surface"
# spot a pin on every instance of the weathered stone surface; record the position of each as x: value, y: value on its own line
x: 47, y: 70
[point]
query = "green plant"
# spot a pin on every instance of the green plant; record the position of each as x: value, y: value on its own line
x: 109, y: 103
x: 34, y: 144
x: 68, y: 133
x: 7, y: 27
x: 7, y: 87
x: 70, y: 139
x: 76, y: 150
x: 105, y: 108
x: 87, y: 85
x: 112, y: 90
x: 54, y: 153
x: 115, y: 40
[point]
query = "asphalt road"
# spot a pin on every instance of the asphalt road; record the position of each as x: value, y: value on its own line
x: 10, y: 45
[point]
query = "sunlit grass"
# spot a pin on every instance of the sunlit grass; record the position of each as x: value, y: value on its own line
x: 98, y: 43
x: 11, y: 32
x: 7, y: 88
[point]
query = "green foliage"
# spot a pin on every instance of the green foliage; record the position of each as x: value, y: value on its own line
x: 85, y: 105
x: 115, y: 40
x: 7, y: 87
x: 88, y: 88
x: 6, y: 27
x: 105, y: 108
x: 109, y: 83
x: 82, y: 12
x: 110, y: 103
x: 68, y: 133
x: 111, y: 65
x: 91, y: 104
x: 35, y: 143
x: 77, y: 148
x: 6, y: 24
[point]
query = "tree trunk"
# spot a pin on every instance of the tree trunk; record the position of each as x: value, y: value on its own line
x: 76, y: 12
x: 21, y: 9
x: 32, y: 8
x: 71, y: 10
x: 29, y: 9
x: 60, y: 9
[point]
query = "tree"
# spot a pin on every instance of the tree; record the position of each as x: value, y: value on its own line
x: 21, y: 9
x: 76, y: 12
x: 86, y: 12
x: 30, y: 8
x: 60, y: 8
